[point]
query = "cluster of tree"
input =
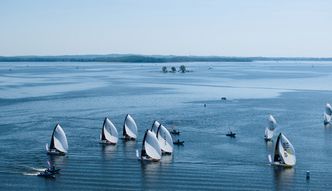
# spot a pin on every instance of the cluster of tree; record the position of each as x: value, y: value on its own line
x: 182, y: 69
x: 122, y: 58
x: 149, y: 58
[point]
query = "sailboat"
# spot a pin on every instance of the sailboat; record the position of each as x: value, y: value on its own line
x: 327, y: 114
x: 59, y: 144
x: 109, y: 134
x: 165, y: 140
x: 272, y: 124
x: 129, y: 128
x: 151, y: 150
x: 284, y: 153
x: 155, y: 126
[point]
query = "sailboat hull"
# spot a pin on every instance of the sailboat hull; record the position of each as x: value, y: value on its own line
x: 281, y: 164
x: 105, y: 142
x: 127, y: 138
x: 55, y: 152
x: 144, y: 158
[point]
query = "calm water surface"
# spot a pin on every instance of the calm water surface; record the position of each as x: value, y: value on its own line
x: 35, y: 96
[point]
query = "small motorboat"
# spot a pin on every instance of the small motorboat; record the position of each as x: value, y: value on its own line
x: 175, y: 132
x: 46, y: 174
x: 178, y: 142
x: 231, y: 134
x: 53, y: 170
x: 224, y: 98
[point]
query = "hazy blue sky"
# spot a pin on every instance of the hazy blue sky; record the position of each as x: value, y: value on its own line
x: 182, y: 27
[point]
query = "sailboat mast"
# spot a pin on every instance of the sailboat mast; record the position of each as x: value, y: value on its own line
x: 52, y: 139
x: 124, y: 126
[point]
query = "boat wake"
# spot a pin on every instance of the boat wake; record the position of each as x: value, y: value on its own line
x: 32, y: 171
x: 30, y: 174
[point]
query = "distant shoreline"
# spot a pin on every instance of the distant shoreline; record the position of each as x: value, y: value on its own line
x: 149, y: 58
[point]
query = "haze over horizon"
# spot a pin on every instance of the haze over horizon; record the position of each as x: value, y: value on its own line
x: 300, y: 28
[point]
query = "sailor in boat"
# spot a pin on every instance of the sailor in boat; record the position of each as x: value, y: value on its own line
x: 178, y: 142
x: 46, y: 174
x: 53, y: 170
x: 174, y: 131
x: 231, y: 134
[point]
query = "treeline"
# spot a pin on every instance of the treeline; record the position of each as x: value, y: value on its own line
x: 149, y: 59
x: 122, y: 58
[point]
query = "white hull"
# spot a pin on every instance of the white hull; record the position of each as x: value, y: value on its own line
x: 138, y: 156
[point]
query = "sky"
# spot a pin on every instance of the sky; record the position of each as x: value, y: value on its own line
x: 288, y: 28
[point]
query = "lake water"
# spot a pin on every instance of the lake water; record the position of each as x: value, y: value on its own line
x: 35, y: 96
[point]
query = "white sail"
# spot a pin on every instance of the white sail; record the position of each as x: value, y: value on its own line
x: 155, y: 126
x: 151, y: 146
x: 109, y: 132
x: 328, y: 109
x: 327, y: 118
x: 284, y: 152
x: 130, y: 127
x: 59, y: 139
x: 327, y: 114
x: 272, y: 123
x: 165, y: 139
x: 268, y: 134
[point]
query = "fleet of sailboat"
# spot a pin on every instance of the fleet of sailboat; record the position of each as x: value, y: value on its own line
x: 158, y: 140
x: 109, y: 134
x: 58, y: 144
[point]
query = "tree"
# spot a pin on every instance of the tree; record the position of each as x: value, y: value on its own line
x: 183, y: 68
x: 173, y: 69
x: 164, y: 69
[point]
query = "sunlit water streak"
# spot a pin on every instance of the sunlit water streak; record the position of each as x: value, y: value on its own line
x: 35, y: 96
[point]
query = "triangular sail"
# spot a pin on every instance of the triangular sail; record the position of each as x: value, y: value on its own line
x: 328, y: 114
x: 327, y: 118
x: 272, y: 123
x: 328, y: 109
x: 284, y: 151
x: 151, y: 146
x: 268, y: 133
x: 165, y: 139
x: 155, y: 126
x: 109, y: 132
x: 130, y: 127
x: 59, y: 139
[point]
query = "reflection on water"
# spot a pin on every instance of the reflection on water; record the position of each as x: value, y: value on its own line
x: 150, y: 172
x: 57, y: 160
x: 166, y: 159
x: 208, y: 160
x: 282, y: 177
x: 108, y: 151
x: 328, y: 134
